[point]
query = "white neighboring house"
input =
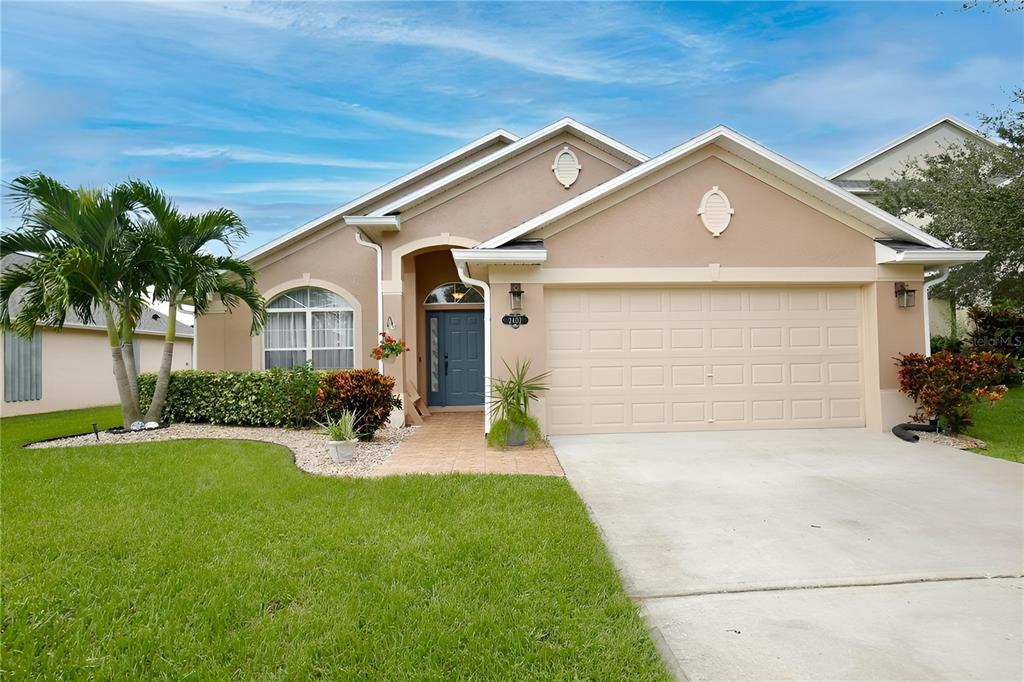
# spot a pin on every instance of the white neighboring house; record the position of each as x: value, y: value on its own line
x: 70, y: 368
x: 885, y: 163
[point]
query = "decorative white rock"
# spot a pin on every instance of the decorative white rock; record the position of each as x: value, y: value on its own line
x: 566, y: 167
x: 715, y: 211
x: 137, y: 426
x: 152, y: 425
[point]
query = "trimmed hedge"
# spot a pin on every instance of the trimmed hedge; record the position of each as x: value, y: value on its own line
x: 273, y: 397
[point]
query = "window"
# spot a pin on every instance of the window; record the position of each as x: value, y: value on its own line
x: 23, y: 367
x: 454, y: 292
x: 306, y: 325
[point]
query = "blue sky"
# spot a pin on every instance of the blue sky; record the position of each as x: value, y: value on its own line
x: 283, y: 111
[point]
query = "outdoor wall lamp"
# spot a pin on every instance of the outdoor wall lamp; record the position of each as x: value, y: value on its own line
x: 905, y: 298
x: 516, y: 295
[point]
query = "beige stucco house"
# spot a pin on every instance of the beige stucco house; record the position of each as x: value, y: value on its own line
x: 70, y: 368
x: 887, y: 162
x: 715, y: 286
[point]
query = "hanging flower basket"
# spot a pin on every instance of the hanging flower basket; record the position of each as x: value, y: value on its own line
x: 389, y: 347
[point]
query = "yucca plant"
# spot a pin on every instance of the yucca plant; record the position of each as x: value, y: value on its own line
x: 509, y: 406
x: 341, y: 436
x: 343, y: 427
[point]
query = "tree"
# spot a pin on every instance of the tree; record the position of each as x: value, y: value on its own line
x: 190, y: 273
x: 85, y: 262
x: 971, y: 196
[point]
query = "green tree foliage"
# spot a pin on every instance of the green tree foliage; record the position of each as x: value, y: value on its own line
x: 99, y: 252
x: 972, y: 197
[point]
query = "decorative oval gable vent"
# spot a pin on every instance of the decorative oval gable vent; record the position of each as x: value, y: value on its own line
x: 566, y: 167
x: 715, y: 211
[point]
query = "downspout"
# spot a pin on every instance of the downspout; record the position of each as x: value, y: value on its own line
x: 487, y: 333
x: 942, y: 277
x: 361, y: 239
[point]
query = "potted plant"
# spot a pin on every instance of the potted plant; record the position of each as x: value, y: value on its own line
x: 341, y: 436
x: 389, y: 347
x: 511, y: 423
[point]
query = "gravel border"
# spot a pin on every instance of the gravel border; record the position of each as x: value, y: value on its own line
x: 309, y: 446
x: 960, y: 442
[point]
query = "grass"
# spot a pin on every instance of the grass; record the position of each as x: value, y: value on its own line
x: 217, y: 559
x: 1001, y: 426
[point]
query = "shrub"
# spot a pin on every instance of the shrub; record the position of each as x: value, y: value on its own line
x: 999, y: 329
x: 941, y: 343
x: 946, y: 385
x: 366, y: 392
x: 275, y: 397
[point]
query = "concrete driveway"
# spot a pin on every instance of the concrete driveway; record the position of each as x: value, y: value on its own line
x: 813, y: 554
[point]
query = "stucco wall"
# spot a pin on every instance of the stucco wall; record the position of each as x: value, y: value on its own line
x: 659, y: 227
x: 77, y: 370
x: 335, y: 258
x: 517, y: 190
x: 888, y: 164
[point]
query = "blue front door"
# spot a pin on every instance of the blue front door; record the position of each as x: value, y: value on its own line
x: 455, y: 357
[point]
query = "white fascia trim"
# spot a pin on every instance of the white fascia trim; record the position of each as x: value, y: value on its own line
x: 909, y: 136
x: 501, y: 256
x: 369, y: 197
x: 375, y: 222
x: 491, y: 160
x: 935, y: 257
x: 713, y: 136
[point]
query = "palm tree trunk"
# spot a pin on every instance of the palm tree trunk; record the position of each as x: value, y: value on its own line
x: 128, y: 354
x: 163, y: 377
x: 130, y: 411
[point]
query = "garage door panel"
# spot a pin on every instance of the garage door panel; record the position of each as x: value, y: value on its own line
x: 649, y: 359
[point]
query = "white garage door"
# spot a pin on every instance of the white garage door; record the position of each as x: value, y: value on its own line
x: 678, y: 359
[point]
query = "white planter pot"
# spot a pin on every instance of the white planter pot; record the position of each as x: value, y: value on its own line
x: 341, y: 450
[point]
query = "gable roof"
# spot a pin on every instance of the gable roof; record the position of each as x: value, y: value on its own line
x: 361, y: 203
x: 750, y: 151
x: 152, y: 321
x: 951, y: 120
x: 594, y: 137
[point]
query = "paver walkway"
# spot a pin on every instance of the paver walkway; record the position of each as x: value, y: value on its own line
x: 454, y: 442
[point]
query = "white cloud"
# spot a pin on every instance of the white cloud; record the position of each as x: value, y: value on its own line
x: 245, y: 155
x: 889, y: 85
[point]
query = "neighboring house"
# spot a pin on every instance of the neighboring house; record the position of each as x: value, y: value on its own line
x: 71, y: 368
x: 887, y: 162
x: 716, y: 286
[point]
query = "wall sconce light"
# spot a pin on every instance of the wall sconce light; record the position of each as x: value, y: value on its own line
x: 516, y: 295
x: 390, y: 324
x: 905, y: 298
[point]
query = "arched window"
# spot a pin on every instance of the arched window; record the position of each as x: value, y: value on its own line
x: 454, y: 292
x: 309, y: 324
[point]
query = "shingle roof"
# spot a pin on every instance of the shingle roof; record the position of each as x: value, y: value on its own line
x: 152, y: 321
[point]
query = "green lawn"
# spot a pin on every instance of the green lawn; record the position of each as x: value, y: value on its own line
x: 1002, y: 426
x: 206, y: 559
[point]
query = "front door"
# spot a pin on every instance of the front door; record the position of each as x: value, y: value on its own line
x: 455, y: 357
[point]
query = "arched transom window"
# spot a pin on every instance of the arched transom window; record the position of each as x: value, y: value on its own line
x: 454, y: 292
x: 309, y: 324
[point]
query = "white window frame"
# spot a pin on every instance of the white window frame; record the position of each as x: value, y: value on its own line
x: 347, y: 307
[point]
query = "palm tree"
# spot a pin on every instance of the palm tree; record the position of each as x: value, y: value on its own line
x: 190, y: 273
x: 85, y: 260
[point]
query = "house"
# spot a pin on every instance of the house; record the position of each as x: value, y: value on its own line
x: 886, y: 163
x: 71, y: 367
x: 715, y: 286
